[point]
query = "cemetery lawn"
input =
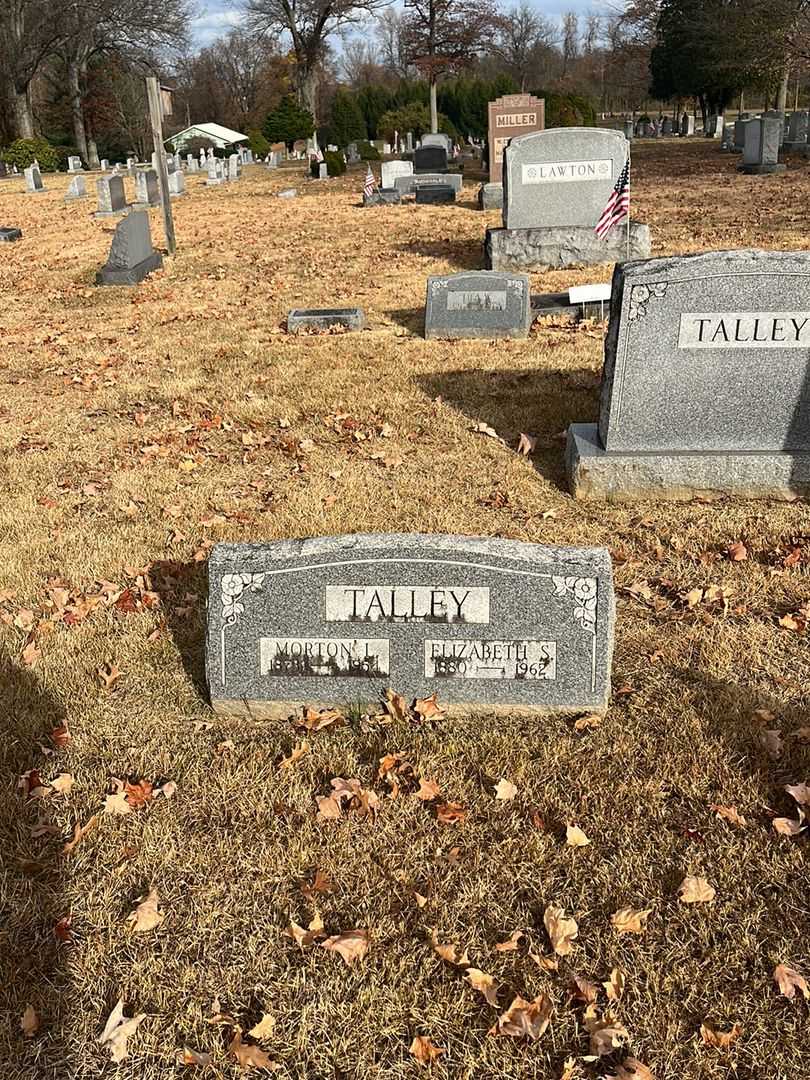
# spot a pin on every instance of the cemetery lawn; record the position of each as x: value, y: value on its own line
x: 138, y: 427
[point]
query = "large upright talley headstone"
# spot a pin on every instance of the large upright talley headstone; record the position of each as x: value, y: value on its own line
x: 132, y: 256
x: 336, y: 620
x: 706, y: 381
x: 556, y: 184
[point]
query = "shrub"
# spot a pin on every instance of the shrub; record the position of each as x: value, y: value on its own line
x: 22, y: 153
x: 368, y: 152
x: 258, y: 144
x: 288, y: 122
x: 335, y: 164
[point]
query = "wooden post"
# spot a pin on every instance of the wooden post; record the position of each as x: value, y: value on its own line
x: 156, y: 119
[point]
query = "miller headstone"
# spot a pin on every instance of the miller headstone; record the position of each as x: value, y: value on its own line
x: 509, y: 117
x: 706, y: 381
x: 478, y: 304
x: 495, y: 624
x: 132, y: 256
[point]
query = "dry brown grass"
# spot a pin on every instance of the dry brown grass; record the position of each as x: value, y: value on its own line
x: 112, y: 459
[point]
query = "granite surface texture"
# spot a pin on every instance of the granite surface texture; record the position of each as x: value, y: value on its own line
x: 539, y: 249
x: 490, y: 197
x: 132, y: 256
x: 435, y: 193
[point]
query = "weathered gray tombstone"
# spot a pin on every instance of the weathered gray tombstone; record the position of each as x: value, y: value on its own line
x: 8, y: 234
x: 132, y: 256
x: 478, y: 304
x: 490, y: 197
x: 193, y: 164
x: 430, y: 159
x: 233, y: 167
x: 382, y: 197
x: 761, y: 150
x: 147, y: 191
x: 409, y: 185
x: 629, y: 130
x: 190, y: 160
x: 435, y: 194
x: 76, y: 189
x: 74, y: 164
x: 323, y: 171
x: 177, y: 184
x: 687, y: 125
x: 300, y: 320
x: 409, y: 142
x: 484, y: 624
x: 112, y: 198
x: 33, y: 180
x: 390, y: 170
x: 556, y: 185
x: 706, y: 381
x: 739, y: 130
x: 727, y: 142
x: 666, y: 125
x: 104, y: 165
x: 797, y: 131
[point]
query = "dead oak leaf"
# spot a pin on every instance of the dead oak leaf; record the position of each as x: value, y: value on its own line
x: 451, y: 813
x: 117, y: 804
x: 505, y: 790
x: 630, y: 920
x: 62, y: 783
x: 737, y: 552
x: 424, y: 1050
x: 483, y: 983
x: 696, y: 890
x: 799, y: 792
x: 187, y: 1056
x: 117, y: 1030
x: 729, y: 814
x: 606, y: 1033
x: 249, y: 1057
x: 592, y: 720
x: 146, y: 915
x: 527, y: 444
x: 614, y: 987
x: 771, y: 741
x: 264, y: 1028
x: 451, y: 953
x: 582, y: 989
x: 511, y: 943
x: 29, y: 1022
x: 787, y: 826
x: 139, y: 793
x: 108, y: 675
x: 321, y: 883
x: 525, y: 1019
x: 722, y: 1040
x: 428, y: 790
x: 575, y: 837
x: 395, y: 705
x: 561, y: 931
x: 428, y: 708
x: 351, y: 946
x: 317, y: 720
x: 789, y: 981
x: 631, y: 1069
x: 304, y: 938
x: 297, y: 752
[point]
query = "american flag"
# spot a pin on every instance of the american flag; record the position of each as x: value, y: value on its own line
x: 319, y: 157
x: 370, y: 183
x: 617, y: 206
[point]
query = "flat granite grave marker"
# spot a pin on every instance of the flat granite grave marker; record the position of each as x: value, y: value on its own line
x: 132, y: 256
x: 383, y: 197
x: 435, y: 194
x: 8, y: 235
x: 509, y: 117
x: 706, y: 381
x: 300, y: 319
x: 487, y: 624
x: 478, y: 304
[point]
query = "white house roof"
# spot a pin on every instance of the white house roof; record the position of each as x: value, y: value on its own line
x: 216, y: 132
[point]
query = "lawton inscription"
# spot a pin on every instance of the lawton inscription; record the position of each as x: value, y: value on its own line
x: 548, y: 172
x: 483, y: 622
x: 745, y: 329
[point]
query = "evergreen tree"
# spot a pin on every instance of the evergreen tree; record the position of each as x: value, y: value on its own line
x: 288, y: 122
x: 347, y: 124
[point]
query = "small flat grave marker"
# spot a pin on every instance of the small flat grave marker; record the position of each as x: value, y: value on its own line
x: 478, y: 304
x: 8, y: 235
x: 301, y: 319
x: 435, y: 193
x: 487, y: 624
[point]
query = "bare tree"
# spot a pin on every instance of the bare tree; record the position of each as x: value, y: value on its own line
x: 445, y: 35
x: 309, y: 24
x: 359, y: 61
x: 389, y: 31
x: 29, y: 32
x: 570, y: 40
x: 520, y: 34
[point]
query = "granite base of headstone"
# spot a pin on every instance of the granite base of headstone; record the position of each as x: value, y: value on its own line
x: 706, y: 382
x: 299, y: 320
x: 132, y: 256
x: 562, y: 246
x: 493, y: 626
x: 490, y: 197
x: 383, y: 197
x: 408, y: 185
x: 478, y: 304
x: 8, y: 235
x: 435, y: 194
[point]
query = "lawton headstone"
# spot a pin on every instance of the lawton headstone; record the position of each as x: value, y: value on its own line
x: 132, y: 256
x: 76, y: 189
x: 112, y: 198
x: 485, y: 624
x: 390, y: 170
x: 430, y: 159
x: 33, y: 180
x: 8, y: 235
x: 299, y: 320
x: 147, y: 192
x: 510, y: 116
x: 761, y: 151
x: 706, y: 381
x: 478, y: 304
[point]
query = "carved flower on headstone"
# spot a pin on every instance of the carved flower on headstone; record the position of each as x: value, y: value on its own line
x: 232, y: 586
x: 583, y: 590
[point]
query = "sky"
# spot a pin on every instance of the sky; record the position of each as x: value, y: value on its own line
x: 215, y: 17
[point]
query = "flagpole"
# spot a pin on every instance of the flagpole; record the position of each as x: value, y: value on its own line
x: 628, y: 201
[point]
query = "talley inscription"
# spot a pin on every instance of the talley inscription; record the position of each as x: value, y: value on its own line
x: 763, y: 330
x: 491, y: 622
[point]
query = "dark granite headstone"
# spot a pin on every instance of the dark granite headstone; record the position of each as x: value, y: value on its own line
x: 132, y: 256
x: 383, y: 197
x: 323, y: 318
x: 429, y: 159
x: 478, y: 304
x: 3, y: 170
x: 8, y: 235
x: 436, y: 193
x: 336, y: 620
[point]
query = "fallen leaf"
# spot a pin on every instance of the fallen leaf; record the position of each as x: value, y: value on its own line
x: 592, y: 720
x: 799, y: 792
x: 721, y: 1039
x: 79, y: 833
x: 630, y: 920
x: 511, y: 943
x: 696, y: 890
x: 788, y: 827
x: 108, y: 675
x: 146, y: 915
x: 351, y: 945
x: 451, y: 953
x: 264, y: 1029
x: 62, y: 931
x: 187, y: 1056
x: 30, y: 654
x: 561, y: 931
x: 545, y: 963
x: 167, y: 790
x: 451, y: 813
x: 771, y: 740
x: 729, y: 814
x: 428, y: 708
x: 428, y: 790
x: 60, y: 736
x: 139, y: 794
x: 525, y: 1018
x: 485, y: 429
x: 117, y: 1030
x: 30, y: 1022
x: 631, y: 1069
x: 317, y: 720
x: 117, y: 804
x: 304, y: 938
x: 249, y: 1057
x: 614, y: 987
x: 321, y: 883
x: 298, y: 751
x: 789, y: 981
x: 527, y: 444
x: 505, y: 790
x: 606, y: 1033
x: 483, y: 983
x: 347, y: 795
x: 424, y: 1050
x: 395, y: 705
x: 62, y: 783
x: 575, y: 837
x: 737, y: 551
x: 583, y: 989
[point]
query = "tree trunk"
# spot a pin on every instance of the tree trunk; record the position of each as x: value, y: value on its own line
x: 77, y: 109
x: 92, y: 152
x: 434, y: 111
x: 308, y: 88
x: 23, y: 113
x: 781, y: 97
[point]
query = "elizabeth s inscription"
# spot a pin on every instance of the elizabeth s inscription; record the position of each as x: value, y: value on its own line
x: 336, y: 620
